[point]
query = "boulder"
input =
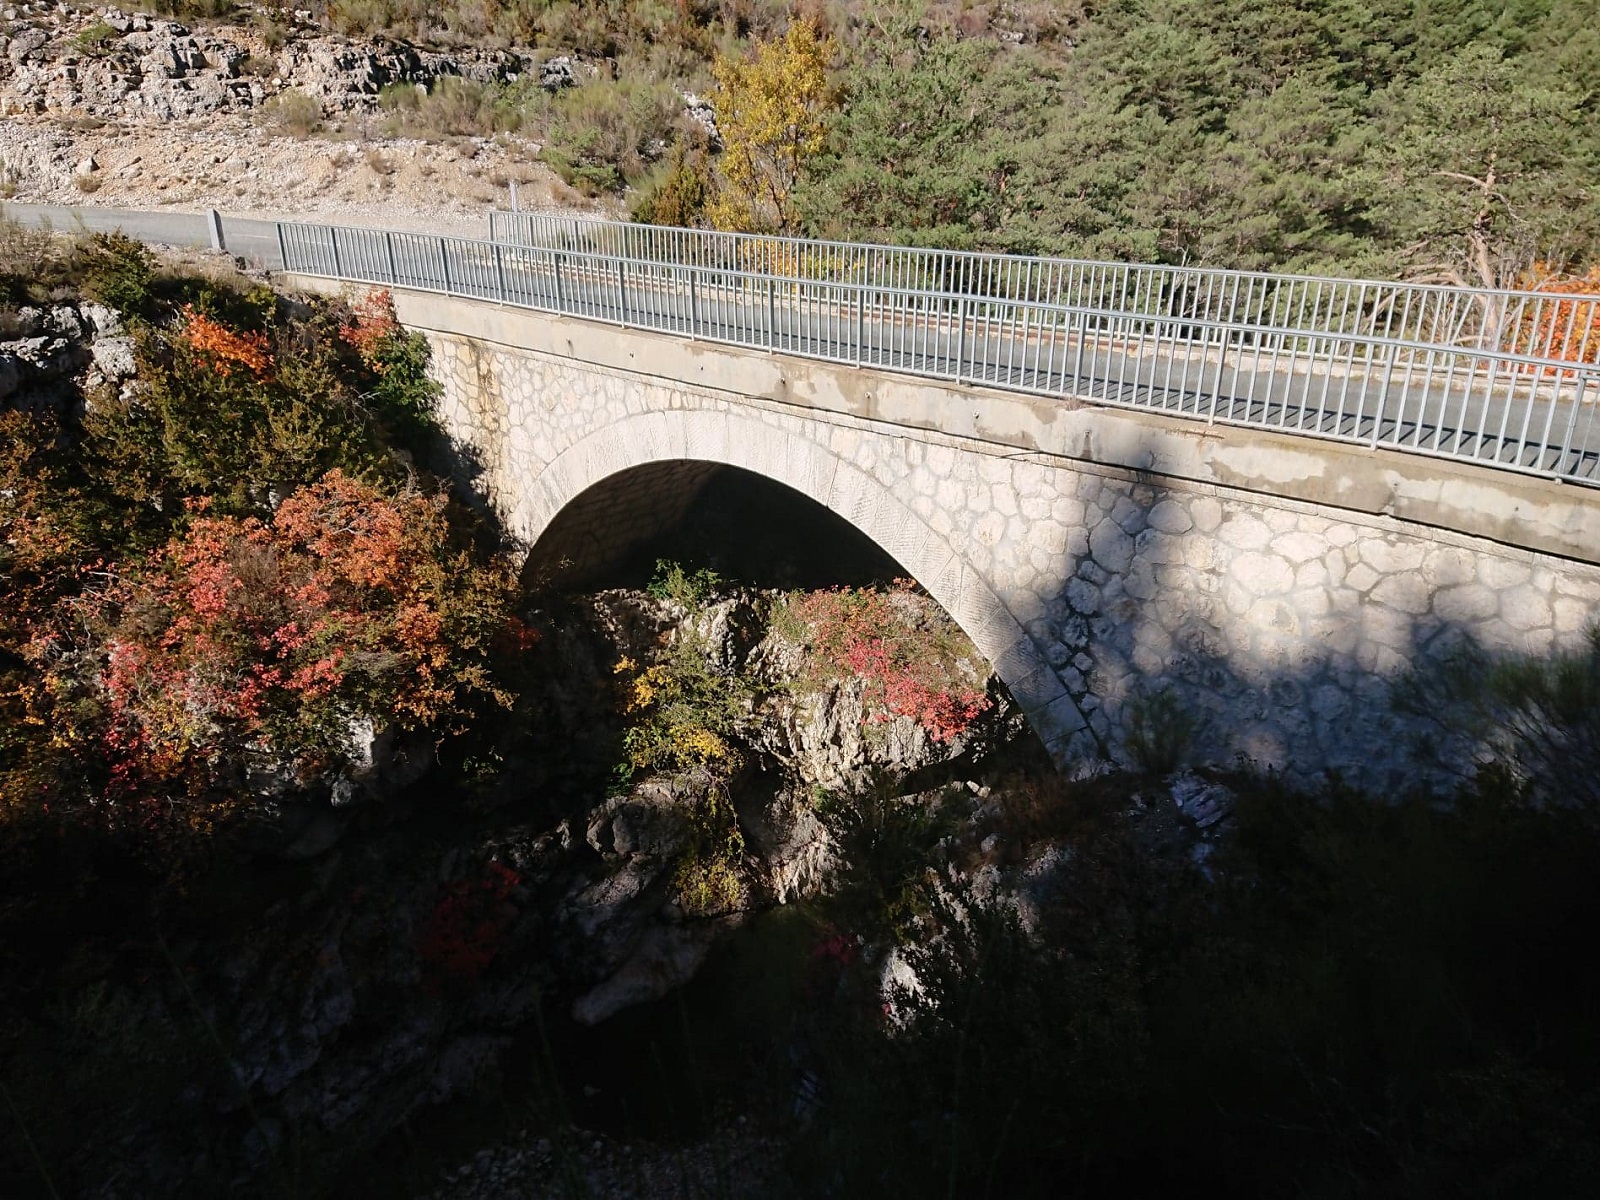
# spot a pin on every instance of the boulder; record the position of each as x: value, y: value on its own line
x: 26, y: 43
x: 558, y: 73
x: 113, y: 357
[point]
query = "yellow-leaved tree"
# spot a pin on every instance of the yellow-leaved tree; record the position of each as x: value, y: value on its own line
x: 772, y: 112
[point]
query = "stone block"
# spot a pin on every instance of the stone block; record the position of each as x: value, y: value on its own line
x: 1387, y: 557
x: 1169, y: 516
x: 1206, y: 512
x: 1501, y: 573
x: 989, y: 529
x: 1157, y: 548
x: 1083, y: 596
x: 1407, y: 592
x: 1111, y: 546
x: 1299, y: 547
x: 1449, y: 566
x: 1244, y: 532
x: 1361, y: 577
x: 1128, y: 515
x: 1523, y: 608
x: 1262, y: 574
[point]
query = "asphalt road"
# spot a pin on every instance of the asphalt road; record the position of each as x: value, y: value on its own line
x: 253, y: 240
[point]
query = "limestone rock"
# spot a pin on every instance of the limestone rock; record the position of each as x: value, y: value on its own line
x: 558, y: 73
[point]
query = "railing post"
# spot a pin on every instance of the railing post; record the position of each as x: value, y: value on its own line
x: 444, y: 267
x: 861, y: 304
x: 772, y: 316
x: 388, y: 248
x: 561, y: 299
x: 961, y: 340
x: 283, y: 247
x: 1572, y: 423
x: 499, y: 273
x: 1383, y: 398
x: 622, y: 292
x: 694, y: 306
x: 338, y: 267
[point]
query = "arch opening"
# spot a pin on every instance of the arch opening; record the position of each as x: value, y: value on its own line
x: 736, y: 522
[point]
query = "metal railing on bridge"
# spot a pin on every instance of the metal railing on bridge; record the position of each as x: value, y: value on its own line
x: 1502, y: 378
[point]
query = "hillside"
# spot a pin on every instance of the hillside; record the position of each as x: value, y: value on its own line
x: 1456, y: 140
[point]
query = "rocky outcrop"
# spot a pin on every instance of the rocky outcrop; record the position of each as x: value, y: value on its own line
x: 48, y: 356
x: 798, y: 739
x: 123, y: 66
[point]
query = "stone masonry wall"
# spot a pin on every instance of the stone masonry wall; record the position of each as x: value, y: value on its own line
x: 1280, y: 625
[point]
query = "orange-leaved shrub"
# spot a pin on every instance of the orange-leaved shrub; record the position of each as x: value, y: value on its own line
x: 372, y: 322
x: 1568, y: 326
x: 913, y: 661
x: 224, y: 347
x: 244, y: 636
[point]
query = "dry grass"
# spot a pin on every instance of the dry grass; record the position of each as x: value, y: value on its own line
x: 296, y: 113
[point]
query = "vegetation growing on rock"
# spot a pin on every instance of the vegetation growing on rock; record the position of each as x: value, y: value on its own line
x: 226, y: 565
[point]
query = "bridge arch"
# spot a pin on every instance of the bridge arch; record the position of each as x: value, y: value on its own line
x: 670, y: 448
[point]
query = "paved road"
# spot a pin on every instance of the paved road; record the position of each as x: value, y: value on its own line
x: 251, y: 239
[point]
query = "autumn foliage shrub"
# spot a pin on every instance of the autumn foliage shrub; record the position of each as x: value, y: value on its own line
x: 402, y: 391
x: 226, y: 565
x: 913, y: 662
x: 372, y: 322
x: 1569, y: 328
x: 226, y: 348
x: 465, y: 932
x: 347, y: 605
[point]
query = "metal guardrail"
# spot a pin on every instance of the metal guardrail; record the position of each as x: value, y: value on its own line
x: 1505, y: 379
x: 1535, y: 324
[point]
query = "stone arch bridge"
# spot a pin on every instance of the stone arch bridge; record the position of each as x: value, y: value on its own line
x: 1276, y: 586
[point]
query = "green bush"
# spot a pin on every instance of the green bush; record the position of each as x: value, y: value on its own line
x: 1160, y: 732
x: 689, y: 589
x: 677, y: 195
x: 456, y: 107
x: 117, y: 271
x: 93, y: 38
x: 607, y: 134
x: 295, y: 112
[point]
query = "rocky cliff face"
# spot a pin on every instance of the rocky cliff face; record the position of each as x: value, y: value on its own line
x: 90, y: 101
x: 133, y: 67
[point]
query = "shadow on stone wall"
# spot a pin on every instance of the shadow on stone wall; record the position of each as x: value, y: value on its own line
x: 1268, y: 630
x: 1271, y: 633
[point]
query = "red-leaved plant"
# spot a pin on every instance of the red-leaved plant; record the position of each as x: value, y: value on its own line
x: 465, y: 932
x: 372, y: 322
x: 348, y: 604
x: 226, y: 348
x: 914, y: 662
